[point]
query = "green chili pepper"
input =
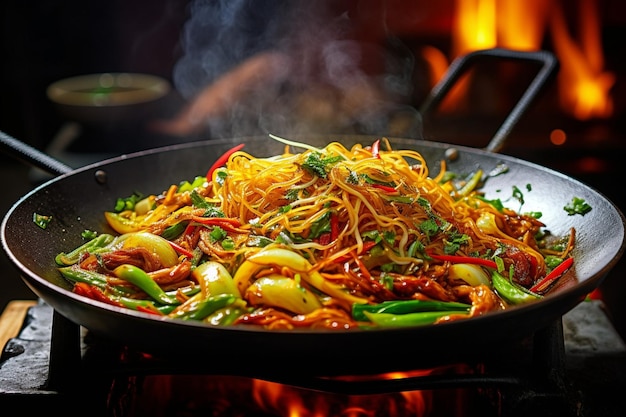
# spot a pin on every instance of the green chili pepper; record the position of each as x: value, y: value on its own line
x: 406, y: 307
x: 88, y: 234
x: 511, y: 292
x: 41, y: 220
x: 127, y: 203
x: 404, y: 320
x: 175, y: 230
x: 188, y: 186
x: 204, y: 308
x: 141, y: 279
x: 227, y: 315
x: 70, y: 258
x: 187, y: 291
x: 134, y: 304
x: 577, y: 206
x: 76, y: 274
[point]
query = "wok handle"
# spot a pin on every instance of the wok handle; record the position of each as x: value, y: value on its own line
x: 460, y: 65
x: 26, y: 153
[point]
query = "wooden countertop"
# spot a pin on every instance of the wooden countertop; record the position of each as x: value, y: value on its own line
x: 12, y: 319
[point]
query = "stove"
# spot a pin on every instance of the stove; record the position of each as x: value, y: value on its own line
x: 574, y: 367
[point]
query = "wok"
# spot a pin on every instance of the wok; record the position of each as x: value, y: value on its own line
x: 76, y: 200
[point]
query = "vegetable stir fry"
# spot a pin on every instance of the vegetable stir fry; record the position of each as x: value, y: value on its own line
x: 329, y: 238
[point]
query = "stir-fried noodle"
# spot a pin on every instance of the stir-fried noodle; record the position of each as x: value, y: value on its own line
x: 330, y: 238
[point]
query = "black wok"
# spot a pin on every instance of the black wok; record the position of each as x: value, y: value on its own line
x: 76, y: 201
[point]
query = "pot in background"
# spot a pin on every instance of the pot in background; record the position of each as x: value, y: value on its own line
x: 109, y: 98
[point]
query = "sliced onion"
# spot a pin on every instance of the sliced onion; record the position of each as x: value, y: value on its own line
x: 474, y: 275
x: 278, y: 291
x: 155, y: 244
x: 214, y: 279
x: 487, y: 224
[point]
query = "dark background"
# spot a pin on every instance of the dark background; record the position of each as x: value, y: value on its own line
x: 41, y: 42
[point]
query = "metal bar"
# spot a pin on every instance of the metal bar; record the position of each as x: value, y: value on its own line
x: 65, y: 355
x: 32, y: 156
x: 460, y: 66
x: 389, y: 386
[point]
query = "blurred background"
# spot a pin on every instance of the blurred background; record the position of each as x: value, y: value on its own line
x: 576, y: 126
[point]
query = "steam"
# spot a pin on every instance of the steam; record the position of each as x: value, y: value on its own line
x: 267, y: 66
x: 219, y: 35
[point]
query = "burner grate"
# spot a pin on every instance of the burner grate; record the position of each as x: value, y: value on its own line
x: 572, y: 368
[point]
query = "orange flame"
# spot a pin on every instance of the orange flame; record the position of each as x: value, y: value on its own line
x: 284, y: 400
x: 522, y: 23
x: 584, y: 85
x: 158, y: 395
x: 475, y: 25
x: 290, y: 401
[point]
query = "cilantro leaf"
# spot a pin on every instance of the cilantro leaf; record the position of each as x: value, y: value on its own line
x: 454, y: 241
x: 210, y: 210
x: 429, y: 227
x: 317, y: 165
x: 322, y: 225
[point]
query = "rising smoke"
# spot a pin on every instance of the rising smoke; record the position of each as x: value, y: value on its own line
x: 260, y: 66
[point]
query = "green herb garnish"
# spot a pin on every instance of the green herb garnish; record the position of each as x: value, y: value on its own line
x: 41, y: 220
x: 577, y: 206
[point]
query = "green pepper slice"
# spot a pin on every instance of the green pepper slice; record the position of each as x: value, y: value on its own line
x: 510, y: 292
x: 406, y: 307
x: 141, y: 279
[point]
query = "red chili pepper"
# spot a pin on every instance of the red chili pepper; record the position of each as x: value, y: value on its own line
x: 324, y: 239
x: 83, y: 289
x: 376, y: 149
x: 385, y: 188
x: 465, y: 260
x: 181, y: 250
x: 555, y: 274
x: 95, y: 293
x: 369, y: 244
x: 189, y: 229
x: 596, y: 294
x: 222, y: 160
